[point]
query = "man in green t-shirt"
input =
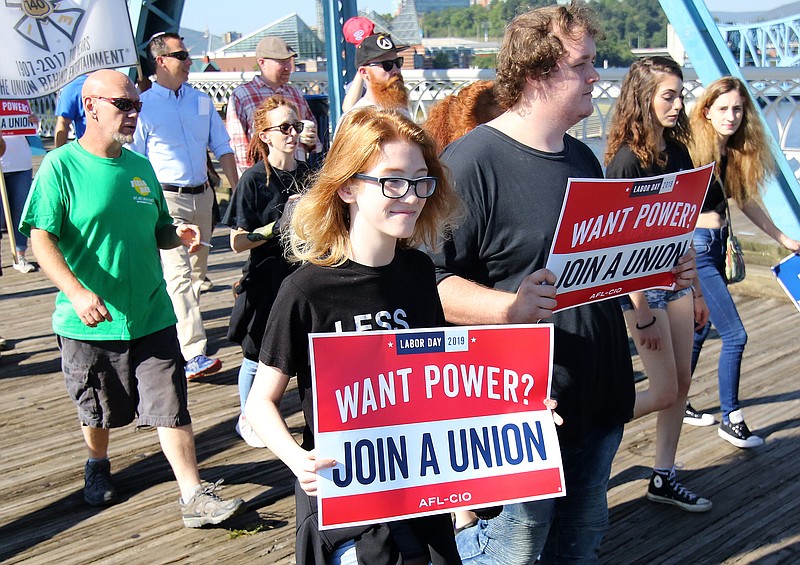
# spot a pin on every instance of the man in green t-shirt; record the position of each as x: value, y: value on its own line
x: 97, y: 218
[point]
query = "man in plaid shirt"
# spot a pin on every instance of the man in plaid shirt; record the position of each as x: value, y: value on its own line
x: 276, y: 61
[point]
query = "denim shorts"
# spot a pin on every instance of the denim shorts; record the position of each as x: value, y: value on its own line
x: 111, y: 382
x: 656, y: 298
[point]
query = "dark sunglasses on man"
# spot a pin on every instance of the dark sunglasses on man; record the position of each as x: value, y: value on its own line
x: 388, y: 65
x: 179, y: 55
x: 122, y: 104
x: 284, y: 128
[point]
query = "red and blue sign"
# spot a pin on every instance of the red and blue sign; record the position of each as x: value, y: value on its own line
x: 428, y: 421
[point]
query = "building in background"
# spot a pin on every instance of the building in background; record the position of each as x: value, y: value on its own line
x: 240, y: 55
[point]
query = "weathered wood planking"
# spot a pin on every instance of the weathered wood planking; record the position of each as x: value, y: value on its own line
x: 43, y: 519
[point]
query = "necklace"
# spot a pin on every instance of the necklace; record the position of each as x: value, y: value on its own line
x: 294, y: 185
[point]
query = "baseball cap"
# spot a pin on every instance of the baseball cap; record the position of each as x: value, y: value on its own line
x: 356, y: 29
x: 374, y: 46
x: 274, y: 48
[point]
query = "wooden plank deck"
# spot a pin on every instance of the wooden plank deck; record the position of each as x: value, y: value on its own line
x: 756, y: 517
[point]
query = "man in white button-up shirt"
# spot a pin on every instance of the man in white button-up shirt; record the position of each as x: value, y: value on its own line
x: 177, y: 125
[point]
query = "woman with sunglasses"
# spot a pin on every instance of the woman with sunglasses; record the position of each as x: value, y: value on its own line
x: 647, y: 138
x: 255, y: 216
x: 381, y: 192
x: 726, y: 130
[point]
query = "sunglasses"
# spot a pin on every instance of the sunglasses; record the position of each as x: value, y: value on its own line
x: 388, y: 65
x: 397, y: 187
x: 122, y: 104
x: 179, y: 55
x: 285, y: 128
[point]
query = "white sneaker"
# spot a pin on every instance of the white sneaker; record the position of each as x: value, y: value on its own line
x: 248, y: 434
x: 23, y: 266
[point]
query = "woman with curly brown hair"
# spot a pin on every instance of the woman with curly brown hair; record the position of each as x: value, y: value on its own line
x: 647, y: 138
x: 726, y: 130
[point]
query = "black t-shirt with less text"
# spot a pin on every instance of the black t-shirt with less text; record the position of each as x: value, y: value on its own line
x: 352, y: 297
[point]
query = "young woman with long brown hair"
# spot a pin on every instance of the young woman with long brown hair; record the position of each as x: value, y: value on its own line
x: 726, y: 130
x: 647, y: 138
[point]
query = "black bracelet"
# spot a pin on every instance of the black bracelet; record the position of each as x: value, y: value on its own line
x: 653, y: 321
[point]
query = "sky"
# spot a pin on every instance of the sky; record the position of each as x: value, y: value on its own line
x: 250, y: 15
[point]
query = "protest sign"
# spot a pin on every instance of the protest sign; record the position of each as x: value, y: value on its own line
x: 787, y: 272
x: 616, y: 236
x: 14, y: 118
x: 47, y: 43
x: 427, y: 421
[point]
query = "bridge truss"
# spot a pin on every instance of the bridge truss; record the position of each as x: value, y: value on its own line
x: 774, y: 43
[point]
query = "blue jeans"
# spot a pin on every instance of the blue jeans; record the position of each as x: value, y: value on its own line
x: 562, y: 530
x: 247, y: 374
x: 18, y: 185
x: 709, y: 245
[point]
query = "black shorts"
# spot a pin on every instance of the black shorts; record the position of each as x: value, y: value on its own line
x: 112, y: 381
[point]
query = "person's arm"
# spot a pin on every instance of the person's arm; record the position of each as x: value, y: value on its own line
x: 759, y: 217
x: 170, y: 236
x: 354, y: 92
x: 237, y: 127
x: 701, y: 312
x: 89, y: 307
x: 62, y: 130
x: 241, y: 242
x: 2, y: 145
x: 262, y: 410
x: 468, y: 303
x: 228, y: 164
x: 648, y: 332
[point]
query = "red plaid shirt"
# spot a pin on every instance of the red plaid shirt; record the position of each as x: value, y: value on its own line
x: 242, y: 105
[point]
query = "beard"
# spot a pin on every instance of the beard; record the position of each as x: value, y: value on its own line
x: 122, y: 138
x: 391, y: 94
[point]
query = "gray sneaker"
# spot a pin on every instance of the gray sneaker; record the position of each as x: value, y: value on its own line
x: 206, y: 508
x: 98, y: 489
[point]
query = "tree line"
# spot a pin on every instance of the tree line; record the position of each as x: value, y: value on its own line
x: 626, y: 23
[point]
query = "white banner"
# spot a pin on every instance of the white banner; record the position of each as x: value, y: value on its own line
x: 47, y: 43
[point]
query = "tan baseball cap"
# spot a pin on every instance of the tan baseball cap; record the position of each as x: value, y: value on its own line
x: 274, y: 48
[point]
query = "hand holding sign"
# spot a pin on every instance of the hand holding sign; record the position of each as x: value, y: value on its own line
x: 535, y: 298
x: 306, y: 471
x: 686, y: 270
x: 552, y: 405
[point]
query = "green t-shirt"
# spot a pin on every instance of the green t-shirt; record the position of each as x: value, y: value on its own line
x: 105, y: 213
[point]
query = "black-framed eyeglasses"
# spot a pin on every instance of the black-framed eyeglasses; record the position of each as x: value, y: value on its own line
x: 122, y: 104
x: 388, y: 65
x: 397, y: 187
x: 284, y: 128
x: 179, y: 55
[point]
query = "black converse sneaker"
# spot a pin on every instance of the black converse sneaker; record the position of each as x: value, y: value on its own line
x: 695, y: 418
x: 736, y: 431
x: 665, y: 488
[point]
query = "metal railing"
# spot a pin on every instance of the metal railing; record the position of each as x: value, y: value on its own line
x: 777, y: 90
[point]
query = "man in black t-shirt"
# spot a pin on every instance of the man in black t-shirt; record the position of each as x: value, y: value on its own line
x: 512, y: 174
